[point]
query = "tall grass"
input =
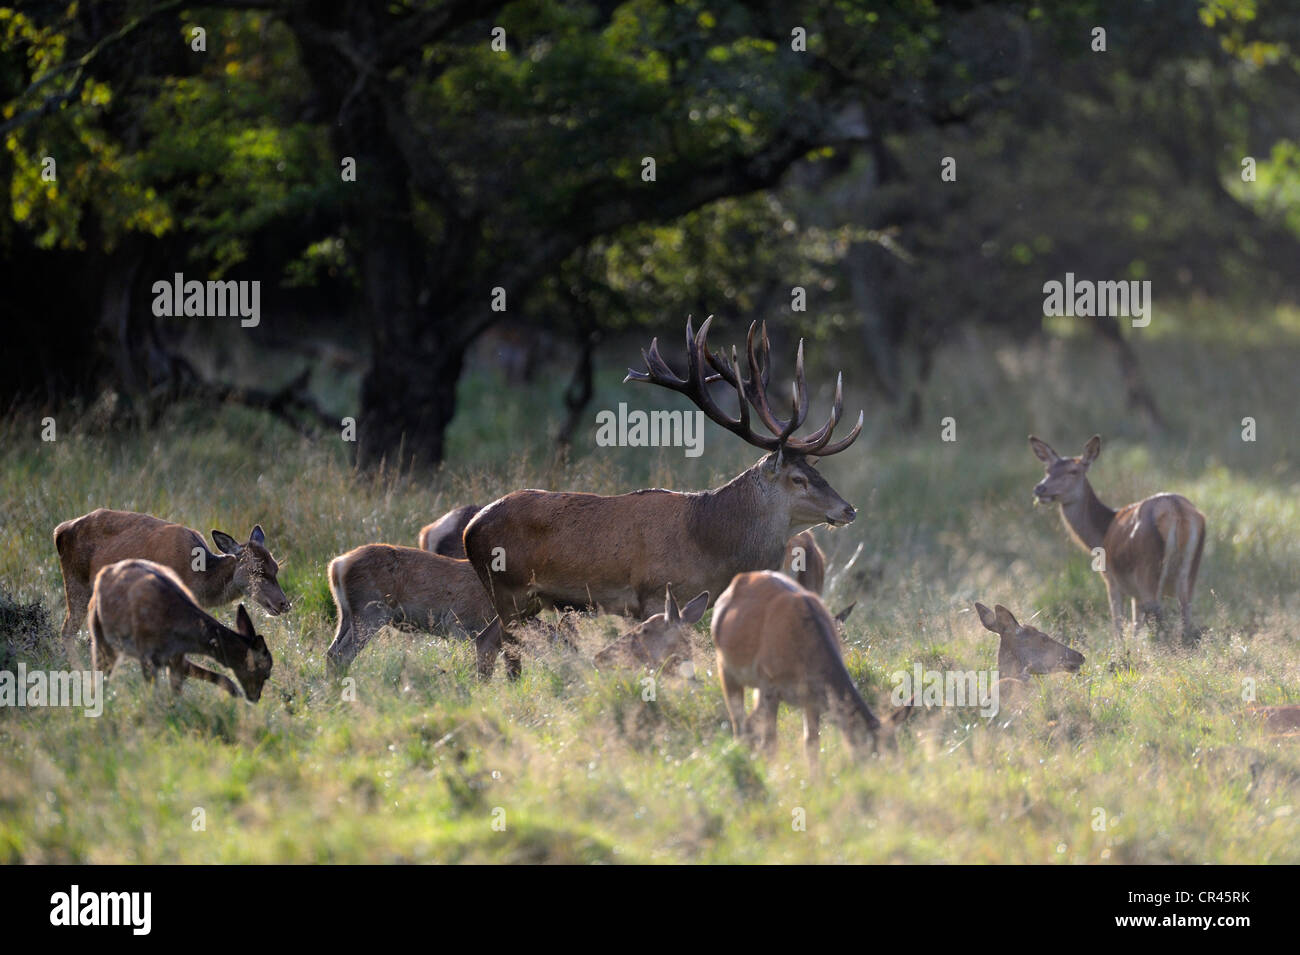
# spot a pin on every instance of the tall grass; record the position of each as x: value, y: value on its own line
x: 1143, y: 757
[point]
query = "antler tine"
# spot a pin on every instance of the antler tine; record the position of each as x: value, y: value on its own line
x: 844, y: 442
x: 756, y: 389
x: 815, y: 441
x: 699, y: 390
x: 657, y: 370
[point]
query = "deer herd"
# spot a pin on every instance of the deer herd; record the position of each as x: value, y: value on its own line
x: 146, y: 585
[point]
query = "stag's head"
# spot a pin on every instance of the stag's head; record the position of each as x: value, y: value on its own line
x: 787, y: 475
x: 1066, y: 477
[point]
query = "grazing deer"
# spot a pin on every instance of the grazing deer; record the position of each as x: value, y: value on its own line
x: 1149, y: 549
x: 1026, y: 651
x: 775, y: 635
x: 536, y: 549
x: 445, y: 536
x: 378, y: 584
x: 91, y: 542
x: 144, y: 610
x: 658, y: 642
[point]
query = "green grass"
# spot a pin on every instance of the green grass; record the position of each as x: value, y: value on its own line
x: 581, y: 769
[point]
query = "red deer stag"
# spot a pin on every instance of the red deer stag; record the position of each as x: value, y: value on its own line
x: 1150, y: 549
x: 536, y: 549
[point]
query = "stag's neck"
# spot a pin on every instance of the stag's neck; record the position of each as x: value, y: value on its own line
x: 736, y: 524
x: 1087, y: 518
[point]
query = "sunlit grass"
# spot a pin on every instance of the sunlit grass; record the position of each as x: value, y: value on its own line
x: 1141, y: 758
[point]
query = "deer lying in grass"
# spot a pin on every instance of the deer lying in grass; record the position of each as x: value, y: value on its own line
x: 89, y: 543
x: 445, y: 536
x: 144, y: 610
x: 378, y: 584
x: 1280, y: 720
x: 775, y: 635
x: 1150, y: 549
x: 537, y: 549
x: 1025, y: 651
x: 660, y: 641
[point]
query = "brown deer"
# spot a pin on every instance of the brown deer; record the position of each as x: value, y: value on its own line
x: 536, y: 549
x: 1026, y: 651
x: 775, y: 635
x: 1281, y: 720
x: 1149, y: 549
x: 378, y: 584
x: 445, y: 535
x: 805, y: 564
x: 93, y: 541
x: 144, y: 610
x: 660, y: 641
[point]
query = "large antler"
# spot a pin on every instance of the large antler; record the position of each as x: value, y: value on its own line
x: 749, y: 391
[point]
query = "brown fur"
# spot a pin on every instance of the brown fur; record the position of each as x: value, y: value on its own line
x: 812, y: 575
x: 1024, y: 651
x: 446, y: 535
x: 659, y: 641
x: 1152, y: 547
x: 378, y: 584
x: 144, y: 610
x: 89, y: 543
x: 775, y: 635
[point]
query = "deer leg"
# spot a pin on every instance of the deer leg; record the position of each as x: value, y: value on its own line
x: 180, y: 668
x: 102, y: 655
x: 77, y: 596
x: 1116, y: 608
x: 733, y: 694
x: 762, y: 721
x: 811, y: 735
x: 486, y: 647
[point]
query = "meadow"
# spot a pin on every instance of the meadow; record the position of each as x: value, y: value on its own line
x: 1143, y: 757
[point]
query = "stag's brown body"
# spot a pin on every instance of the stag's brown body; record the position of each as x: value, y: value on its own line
x: 378, y: 584
x: 535, y: 549
x: 142, y: 609
x: 772, y: 634
x: 1152, y: 548
x: 89, y: 543
x: 445, y: 536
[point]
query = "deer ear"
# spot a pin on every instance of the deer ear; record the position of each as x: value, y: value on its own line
x: 1006, y: 620
x: 225, y: 543
x: 1042, y: 450
x: 844, y: 614
x: 670, y: 606
x: 694, y: 610
x: 1091, y: 450
x: 987, y: 617
x: 258, y: 537
x: 243, y: 623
